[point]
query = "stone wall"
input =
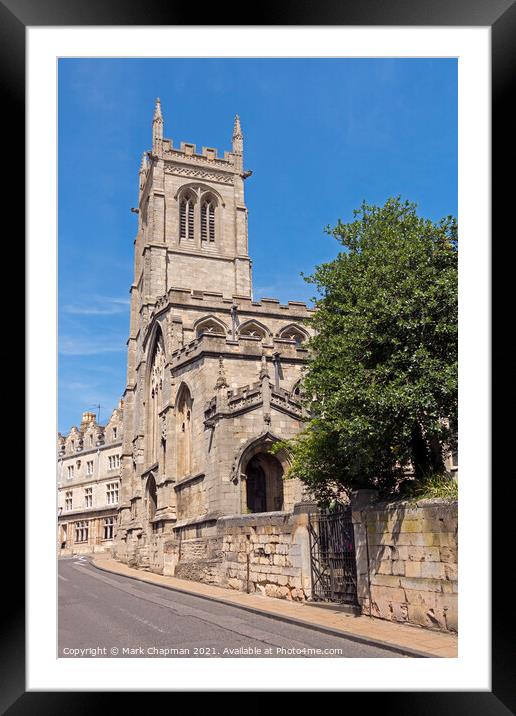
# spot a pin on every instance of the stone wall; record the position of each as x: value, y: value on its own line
x: 267, y: 553
x: 407, y: 562
x: 200, y: 560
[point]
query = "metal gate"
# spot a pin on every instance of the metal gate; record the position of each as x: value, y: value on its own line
x: 332, y: 556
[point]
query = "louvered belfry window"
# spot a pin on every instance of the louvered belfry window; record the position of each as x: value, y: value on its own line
x: 186, y: 218
x: 208, y: 220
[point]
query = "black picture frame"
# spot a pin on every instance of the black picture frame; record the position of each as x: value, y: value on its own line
x: 500, y: 16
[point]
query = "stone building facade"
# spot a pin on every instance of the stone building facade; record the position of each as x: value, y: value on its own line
x: 88, y: 484
x: 213, y: 375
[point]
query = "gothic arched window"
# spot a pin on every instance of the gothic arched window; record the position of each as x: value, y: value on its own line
x: 210, y: 325
x: 186, y: 216
x: 293, y: 333
x: 253, y: 329
x: 155, y: 398
x: 184, y: 432
x: 208, y: 219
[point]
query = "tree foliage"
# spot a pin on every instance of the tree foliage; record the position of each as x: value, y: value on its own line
x: 381, y: 384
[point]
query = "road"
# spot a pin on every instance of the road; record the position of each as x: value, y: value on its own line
x: 106, y: 615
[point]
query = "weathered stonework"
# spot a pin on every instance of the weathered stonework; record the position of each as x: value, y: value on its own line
x: 264, y: 553
x: 267, y: 554
x: 407, y: 562
x: 212, y: 375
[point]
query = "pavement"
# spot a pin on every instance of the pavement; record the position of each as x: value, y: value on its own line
x: 402, y: 639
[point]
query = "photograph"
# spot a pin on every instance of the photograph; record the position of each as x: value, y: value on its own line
x: 257, y: 358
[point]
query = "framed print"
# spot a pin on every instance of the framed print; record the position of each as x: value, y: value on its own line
x: 174, y: 475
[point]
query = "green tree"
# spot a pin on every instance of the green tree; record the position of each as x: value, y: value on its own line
x: 381, y: 384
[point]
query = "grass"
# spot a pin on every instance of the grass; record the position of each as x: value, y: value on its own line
x: 440, y: 486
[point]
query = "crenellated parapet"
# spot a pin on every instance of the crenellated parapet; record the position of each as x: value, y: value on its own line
x: 250, y: 397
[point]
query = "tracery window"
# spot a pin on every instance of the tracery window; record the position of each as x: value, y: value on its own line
x: 291, y: 333
x: 184, y: 432
x: 186, y: 217
x: 210, y: 325
x: 208, y: 219
x: 155, y: 399
x: 253, y: 329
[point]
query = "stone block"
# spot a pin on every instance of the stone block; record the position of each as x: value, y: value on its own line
x: 398, y: 567
x: 385, y: 567
x: 448, y: 554
x: 450, y: 587
x: 385, y: 580
x: 432, y: 570
x: 412, y: 569
x: 399, y: 611
x: 422, y: 584
x: 451, y: 571
x: 426, y: 617
x: 424, y: 554
x: 428, y: 600
x: 386, y: 595
x: 236, y: 584
x: 451, y: 615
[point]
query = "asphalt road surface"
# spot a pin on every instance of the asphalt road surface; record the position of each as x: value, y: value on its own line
x: 103, y: 615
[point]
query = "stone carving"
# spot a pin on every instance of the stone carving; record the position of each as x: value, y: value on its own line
x: 200, y: 174
x: 221, y: 378
x: 158, y: 369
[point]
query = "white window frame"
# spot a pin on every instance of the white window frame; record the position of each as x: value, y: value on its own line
x: 112, y: 493
x: 109, y: 527
x: 81, y: 528
x: 88, y: 496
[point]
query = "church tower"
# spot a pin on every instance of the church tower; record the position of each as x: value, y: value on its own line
x: 212, y: 375
x: 192, y: 230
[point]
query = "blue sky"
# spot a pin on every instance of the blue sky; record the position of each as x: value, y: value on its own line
x: 320, y: 136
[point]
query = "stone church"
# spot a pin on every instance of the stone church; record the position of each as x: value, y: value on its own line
x: 212, y: 375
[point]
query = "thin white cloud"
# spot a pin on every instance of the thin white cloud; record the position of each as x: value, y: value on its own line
x: 70, y: 346
x: 98, y: 306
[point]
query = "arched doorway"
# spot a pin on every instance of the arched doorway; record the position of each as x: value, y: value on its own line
x: 264, y: 483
